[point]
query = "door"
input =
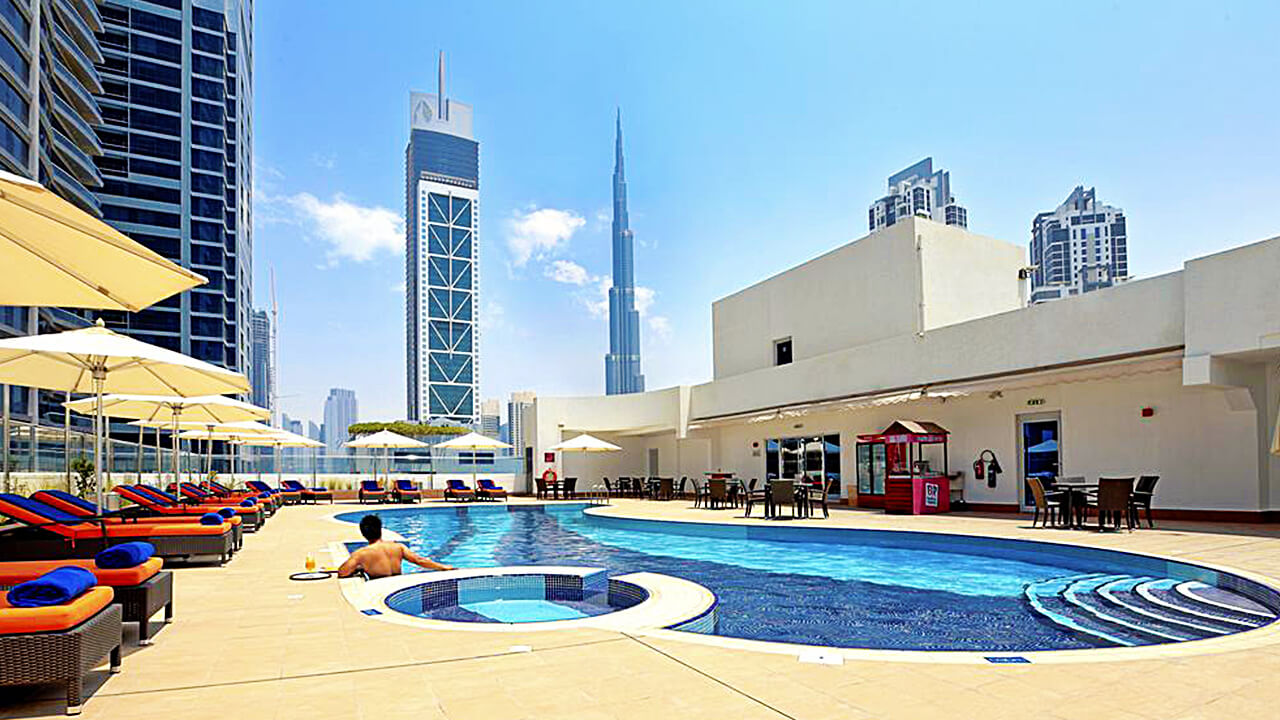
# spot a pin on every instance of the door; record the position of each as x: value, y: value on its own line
x: 653, y: 462
x: 1039, y: 450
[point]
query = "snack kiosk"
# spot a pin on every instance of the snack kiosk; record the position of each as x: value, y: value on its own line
x: 911, y: 485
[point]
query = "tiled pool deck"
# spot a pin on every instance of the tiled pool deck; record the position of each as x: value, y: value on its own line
x: 248, y: 643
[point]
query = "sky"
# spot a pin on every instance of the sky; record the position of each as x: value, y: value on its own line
x: 756, y: 135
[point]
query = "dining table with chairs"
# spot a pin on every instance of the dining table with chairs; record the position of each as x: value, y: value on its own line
x: 1117, y: 500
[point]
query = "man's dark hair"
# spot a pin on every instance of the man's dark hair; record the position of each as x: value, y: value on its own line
x: 371, y: 527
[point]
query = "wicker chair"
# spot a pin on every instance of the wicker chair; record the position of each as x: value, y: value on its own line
x: 750, y: 495
x: 1050, y: 502
x: 569, y: 488
x: 1112, y: 503
x: 62, y: 656
x: 782, y: 492
x: 1141, y: 500
x: 717, y: 493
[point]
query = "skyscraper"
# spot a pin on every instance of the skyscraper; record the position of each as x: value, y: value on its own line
x: 519, y: 402
x: 340, y: 412
x: 1079, y: 247
x: 262, y: 363
x: 176, y: 130
x: 442, y: 191
x: 918, y: 190
x: 622, y: 364
x: 490, y: 418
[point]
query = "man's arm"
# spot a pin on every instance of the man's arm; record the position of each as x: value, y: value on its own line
x: 350, y: 565
x: 424, y: 562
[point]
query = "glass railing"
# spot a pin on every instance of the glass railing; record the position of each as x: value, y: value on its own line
x: 84, y: 168
x: 71, y: 53
x: 86, y: 43
x: 84, y: 131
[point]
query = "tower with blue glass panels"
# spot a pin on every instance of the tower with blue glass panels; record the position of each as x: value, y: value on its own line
x: 622, y: 365
x: 442, y: 191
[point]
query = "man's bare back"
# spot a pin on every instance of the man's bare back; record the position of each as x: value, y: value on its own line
x: 380, y: 558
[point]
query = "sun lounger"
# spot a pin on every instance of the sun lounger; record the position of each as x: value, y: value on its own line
x: 190, y: 493
x: 405, y: 491
x: 140, y: 591
x: 52, y: 533
x: 84, y: 509
x: 312, y: 495
x: 163, y: 504
x: 222, y: 491
x: 283, y: 496
x: 59, y: 643
x: 458, y: 490
x: 487, y: 490
x: 371, y: 490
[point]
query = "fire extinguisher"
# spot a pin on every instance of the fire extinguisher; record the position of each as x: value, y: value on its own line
x: 989, y: 467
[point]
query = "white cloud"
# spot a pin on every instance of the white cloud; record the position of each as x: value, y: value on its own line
x: 399, y: 288
x: 644, y: 299
x: 661, y: 327
x: 540, y: 232
x: 597, y: 304
x: 353, y: 232
x: 326, y: 161
x: 567, y: 272
x: 492, y: 316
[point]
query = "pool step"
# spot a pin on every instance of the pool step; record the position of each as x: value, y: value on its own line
x: 1132, y: 610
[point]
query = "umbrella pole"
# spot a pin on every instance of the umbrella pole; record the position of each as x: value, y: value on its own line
x: 177, y: 413
x: 279, y: 468
x: 141, y: 430
x: 99, y: 377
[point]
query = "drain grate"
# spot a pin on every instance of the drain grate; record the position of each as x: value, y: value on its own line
x: 1006, y: 659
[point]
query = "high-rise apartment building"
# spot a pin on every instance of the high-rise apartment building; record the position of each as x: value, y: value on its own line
x: 918, y: 190
x: 622, y: 365
x: 491, y: 419
x: 519, y: 402
x: 1079, y: 247
x: 48, y: 78
x: 262, y: 362
x: 442, y: 192
x: 340, y: 412
x: 176, y: 102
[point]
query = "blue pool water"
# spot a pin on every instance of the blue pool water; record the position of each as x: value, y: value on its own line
x: 826, y: 587
x: 522, y: 611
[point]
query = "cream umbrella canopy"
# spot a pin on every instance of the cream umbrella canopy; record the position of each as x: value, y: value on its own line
x: 385, y: 439
x: 56, y: 254
x: 279, y: 439
x: 227, y: 432
x: 472, y: 442
x: 173, y: 411
x: 98, y: 361
x: 584, y: 443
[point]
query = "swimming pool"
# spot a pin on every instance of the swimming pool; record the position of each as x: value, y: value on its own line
x: 865, y: 588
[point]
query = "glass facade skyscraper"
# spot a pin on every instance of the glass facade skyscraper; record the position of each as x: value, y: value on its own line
x: 622, y: 364
x: 262, y: 362
x: 1081, y: 246
x: 918, y: 190
x: 176, y: 132
x: 442, y: 193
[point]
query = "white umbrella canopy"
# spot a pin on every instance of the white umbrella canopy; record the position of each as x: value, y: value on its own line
x: 56, y: 254
x: 99, y: 361
x: 385, y: 439
x: 162, y: 410
x: 279, y: 439
x: 473, y: 442
x: 585, y: 443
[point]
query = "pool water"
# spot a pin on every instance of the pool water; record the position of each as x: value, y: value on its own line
x: 523, y: 611
x: 870, y: 589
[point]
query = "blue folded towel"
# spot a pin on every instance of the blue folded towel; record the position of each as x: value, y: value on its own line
x: 265, y: 496
x: 227, y: 512
x: 124, y: 555
x: 211, y: 519
x: 247, y: 503
x: 55, y: 587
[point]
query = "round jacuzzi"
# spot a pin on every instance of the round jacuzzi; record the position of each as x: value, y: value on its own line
x: 517, y: 597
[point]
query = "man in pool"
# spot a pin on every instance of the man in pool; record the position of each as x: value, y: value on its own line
x: 381, y: 559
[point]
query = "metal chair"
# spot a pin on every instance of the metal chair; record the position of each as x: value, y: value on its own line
x: 1143, y: 492
x: 750, y: 495
x: 569, y: 487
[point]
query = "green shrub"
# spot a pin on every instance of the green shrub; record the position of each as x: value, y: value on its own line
x: 83, y: 469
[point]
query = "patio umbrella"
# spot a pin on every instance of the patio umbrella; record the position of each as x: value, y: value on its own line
x: 98, y: 361
x: 172, y: 411
x: 584, y: 443
x: 472, y: 442
x: 279, y: 439
x: 56, y: 254
x: 230, y: 431
x: 385, y: 439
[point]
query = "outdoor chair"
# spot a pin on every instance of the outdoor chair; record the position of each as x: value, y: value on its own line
x: 609, y: 489
x: 406, y: 491
x: 624, y: 486
x: 458, y: 490
x: 371, y: 490
x: 1141, y: 500
x: 700, y: 490
x: 1112, y: 503
x: 782, y: 492
x: 486, y: 489
x: 541, y: 488
x: 666, y: 488
x: 60, y: 643
x: 312, y: 495
x: 569, y: 488
x: 86, y: 510
x: 680, y: 489
x: 717, y: 493
x: 816, y: 493
x: 1050, y: 502
x: 750, y: 495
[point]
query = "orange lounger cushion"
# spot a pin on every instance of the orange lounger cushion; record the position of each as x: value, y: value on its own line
x: 19, y: 621
x: 86, y: 530
x: 14, y: 572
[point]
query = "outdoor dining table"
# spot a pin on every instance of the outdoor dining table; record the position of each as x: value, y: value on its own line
x: 1076, y: 500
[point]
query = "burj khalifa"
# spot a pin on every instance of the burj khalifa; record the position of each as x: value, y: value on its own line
x: 622, y: 365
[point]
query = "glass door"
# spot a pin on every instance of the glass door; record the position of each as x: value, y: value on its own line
x: 1039, y: 450
x: 872, y: 466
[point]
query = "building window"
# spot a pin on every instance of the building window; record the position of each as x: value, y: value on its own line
x: 782, y: 351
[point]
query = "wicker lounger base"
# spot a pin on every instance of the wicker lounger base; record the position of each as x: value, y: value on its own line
x: 62, y: 657
x: 35, y: 544
x: 315, y: 496
x: 140, y: 602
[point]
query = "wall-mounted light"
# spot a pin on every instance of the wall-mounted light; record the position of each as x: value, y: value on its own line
x: 1148, y: 412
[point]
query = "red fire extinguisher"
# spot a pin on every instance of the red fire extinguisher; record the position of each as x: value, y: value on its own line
x: 978, y: 466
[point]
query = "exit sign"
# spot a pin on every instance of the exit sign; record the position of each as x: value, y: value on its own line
x: 1035, y: 401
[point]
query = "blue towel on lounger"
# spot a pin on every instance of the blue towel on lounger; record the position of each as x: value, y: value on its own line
x: 211, y: 519
x: 247, y: 503
x: 265, y: 496
x: 227, y: 512
x: 55, y: 587
x: 124, y: 555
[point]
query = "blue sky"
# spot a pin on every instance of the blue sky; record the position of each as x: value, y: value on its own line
x: 756, y: 135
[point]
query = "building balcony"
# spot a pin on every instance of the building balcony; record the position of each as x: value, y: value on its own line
x: 77, y: 159
x: 77, y: 30
x: 88, y: 12
x: 72, y: 189
x: 81, y: 132
x: 79, y: 97
x: 76, y: 59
